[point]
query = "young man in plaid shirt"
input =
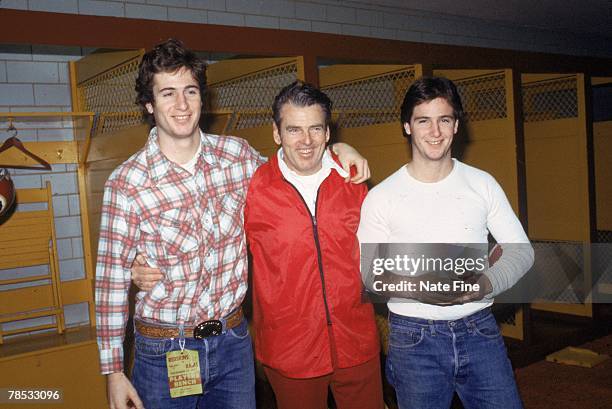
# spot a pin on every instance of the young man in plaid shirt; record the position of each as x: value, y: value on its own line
x: 179, y: 203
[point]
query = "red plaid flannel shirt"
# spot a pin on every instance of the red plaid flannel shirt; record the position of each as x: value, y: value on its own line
x: 189, y: 226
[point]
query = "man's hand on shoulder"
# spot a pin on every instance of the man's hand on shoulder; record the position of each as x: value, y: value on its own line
x: 121, y: 393
x: 348, y: 156
x: 143, y: 276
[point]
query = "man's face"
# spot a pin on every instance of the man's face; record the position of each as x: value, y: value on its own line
x: 177, y: 104
x: 303, y: 135
x: 432, y: 128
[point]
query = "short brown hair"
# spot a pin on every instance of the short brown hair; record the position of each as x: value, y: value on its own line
x: 427, y: 89
x: 168, y: 56
x: 301, y: 94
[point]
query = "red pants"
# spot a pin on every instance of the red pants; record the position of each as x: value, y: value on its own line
x: 358, y: 387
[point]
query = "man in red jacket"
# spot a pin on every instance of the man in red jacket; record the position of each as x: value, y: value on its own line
x: 312, y: 330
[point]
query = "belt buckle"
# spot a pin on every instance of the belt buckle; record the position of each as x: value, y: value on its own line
x: 207, y: 328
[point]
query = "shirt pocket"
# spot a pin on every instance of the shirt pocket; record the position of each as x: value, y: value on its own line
x: 230, y: 209
x: 177, y: 235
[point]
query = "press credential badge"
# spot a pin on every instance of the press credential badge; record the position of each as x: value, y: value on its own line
x: 184, y: 373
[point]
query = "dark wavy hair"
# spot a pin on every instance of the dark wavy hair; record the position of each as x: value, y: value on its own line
x: 168, y: 56
x: 301, y: 94
x: 426, y: 89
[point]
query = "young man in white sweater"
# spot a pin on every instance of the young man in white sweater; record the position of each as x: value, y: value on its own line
x: 441, y: 343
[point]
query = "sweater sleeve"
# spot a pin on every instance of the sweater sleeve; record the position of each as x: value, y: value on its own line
x: 518, y: 255
x: 373, y: 229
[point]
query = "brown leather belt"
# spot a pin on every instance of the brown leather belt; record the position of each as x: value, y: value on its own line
x: 202, y: 330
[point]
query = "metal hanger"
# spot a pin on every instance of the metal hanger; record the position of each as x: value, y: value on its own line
x: 14, y: 142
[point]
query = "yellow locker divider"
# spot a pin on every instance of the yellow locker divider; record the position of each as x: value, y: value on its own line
x: 554, y: 110
x: 602, y: 135
x: 602, y: 141
x: 103, y: 82
x: 602, y: 147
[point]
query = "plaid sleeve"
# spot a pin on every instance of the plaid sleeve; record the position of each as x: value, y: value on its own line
x: 116, y: 250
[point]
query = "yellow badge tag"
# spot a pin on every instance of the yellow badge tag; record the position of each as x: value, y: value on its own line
x: 184, y: 373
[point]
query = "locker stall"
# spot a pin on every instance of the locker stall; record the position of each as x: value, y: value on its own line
x: 241, y: 93
x: 558, y: 200
x: 602, y: 149
x: 488, y: 142
x: 103, y: 83
x: 366, y: 108
x: 46, y: 319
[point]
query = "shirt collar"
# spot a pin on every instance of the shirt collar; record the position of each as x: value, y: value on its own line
x: 326, y: 163
x: 159, y: 165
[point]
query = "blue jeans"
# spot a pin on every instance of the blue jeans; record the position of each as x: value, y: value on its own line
x: 226, y: 367
x: 430, y: 360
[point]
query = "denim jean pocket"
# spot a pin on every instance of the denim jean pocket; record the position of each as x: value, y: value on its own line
x: 487, y: 328
x: 241, y: 331
x: 152, y: 346
x: 406, y: 337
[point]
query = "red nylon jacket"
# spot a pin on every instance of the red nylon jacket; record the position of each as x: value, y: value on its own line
x: 306, y: 275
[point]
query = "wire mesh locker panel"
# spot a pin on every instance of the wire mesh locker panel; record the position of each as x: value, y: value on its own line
x: 366, y: 111
x: 241, y: 93
x: 487, y: 140
x: 103, y: 83
x: 557, y: 180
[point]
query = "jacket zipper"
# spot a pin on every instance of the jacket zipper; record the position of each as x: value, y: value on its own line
x: 315, y: 232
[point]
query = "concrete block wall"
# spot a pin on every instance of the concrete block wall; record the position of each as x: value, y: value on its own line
x: 356, y: 18
x: 34, y: 79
